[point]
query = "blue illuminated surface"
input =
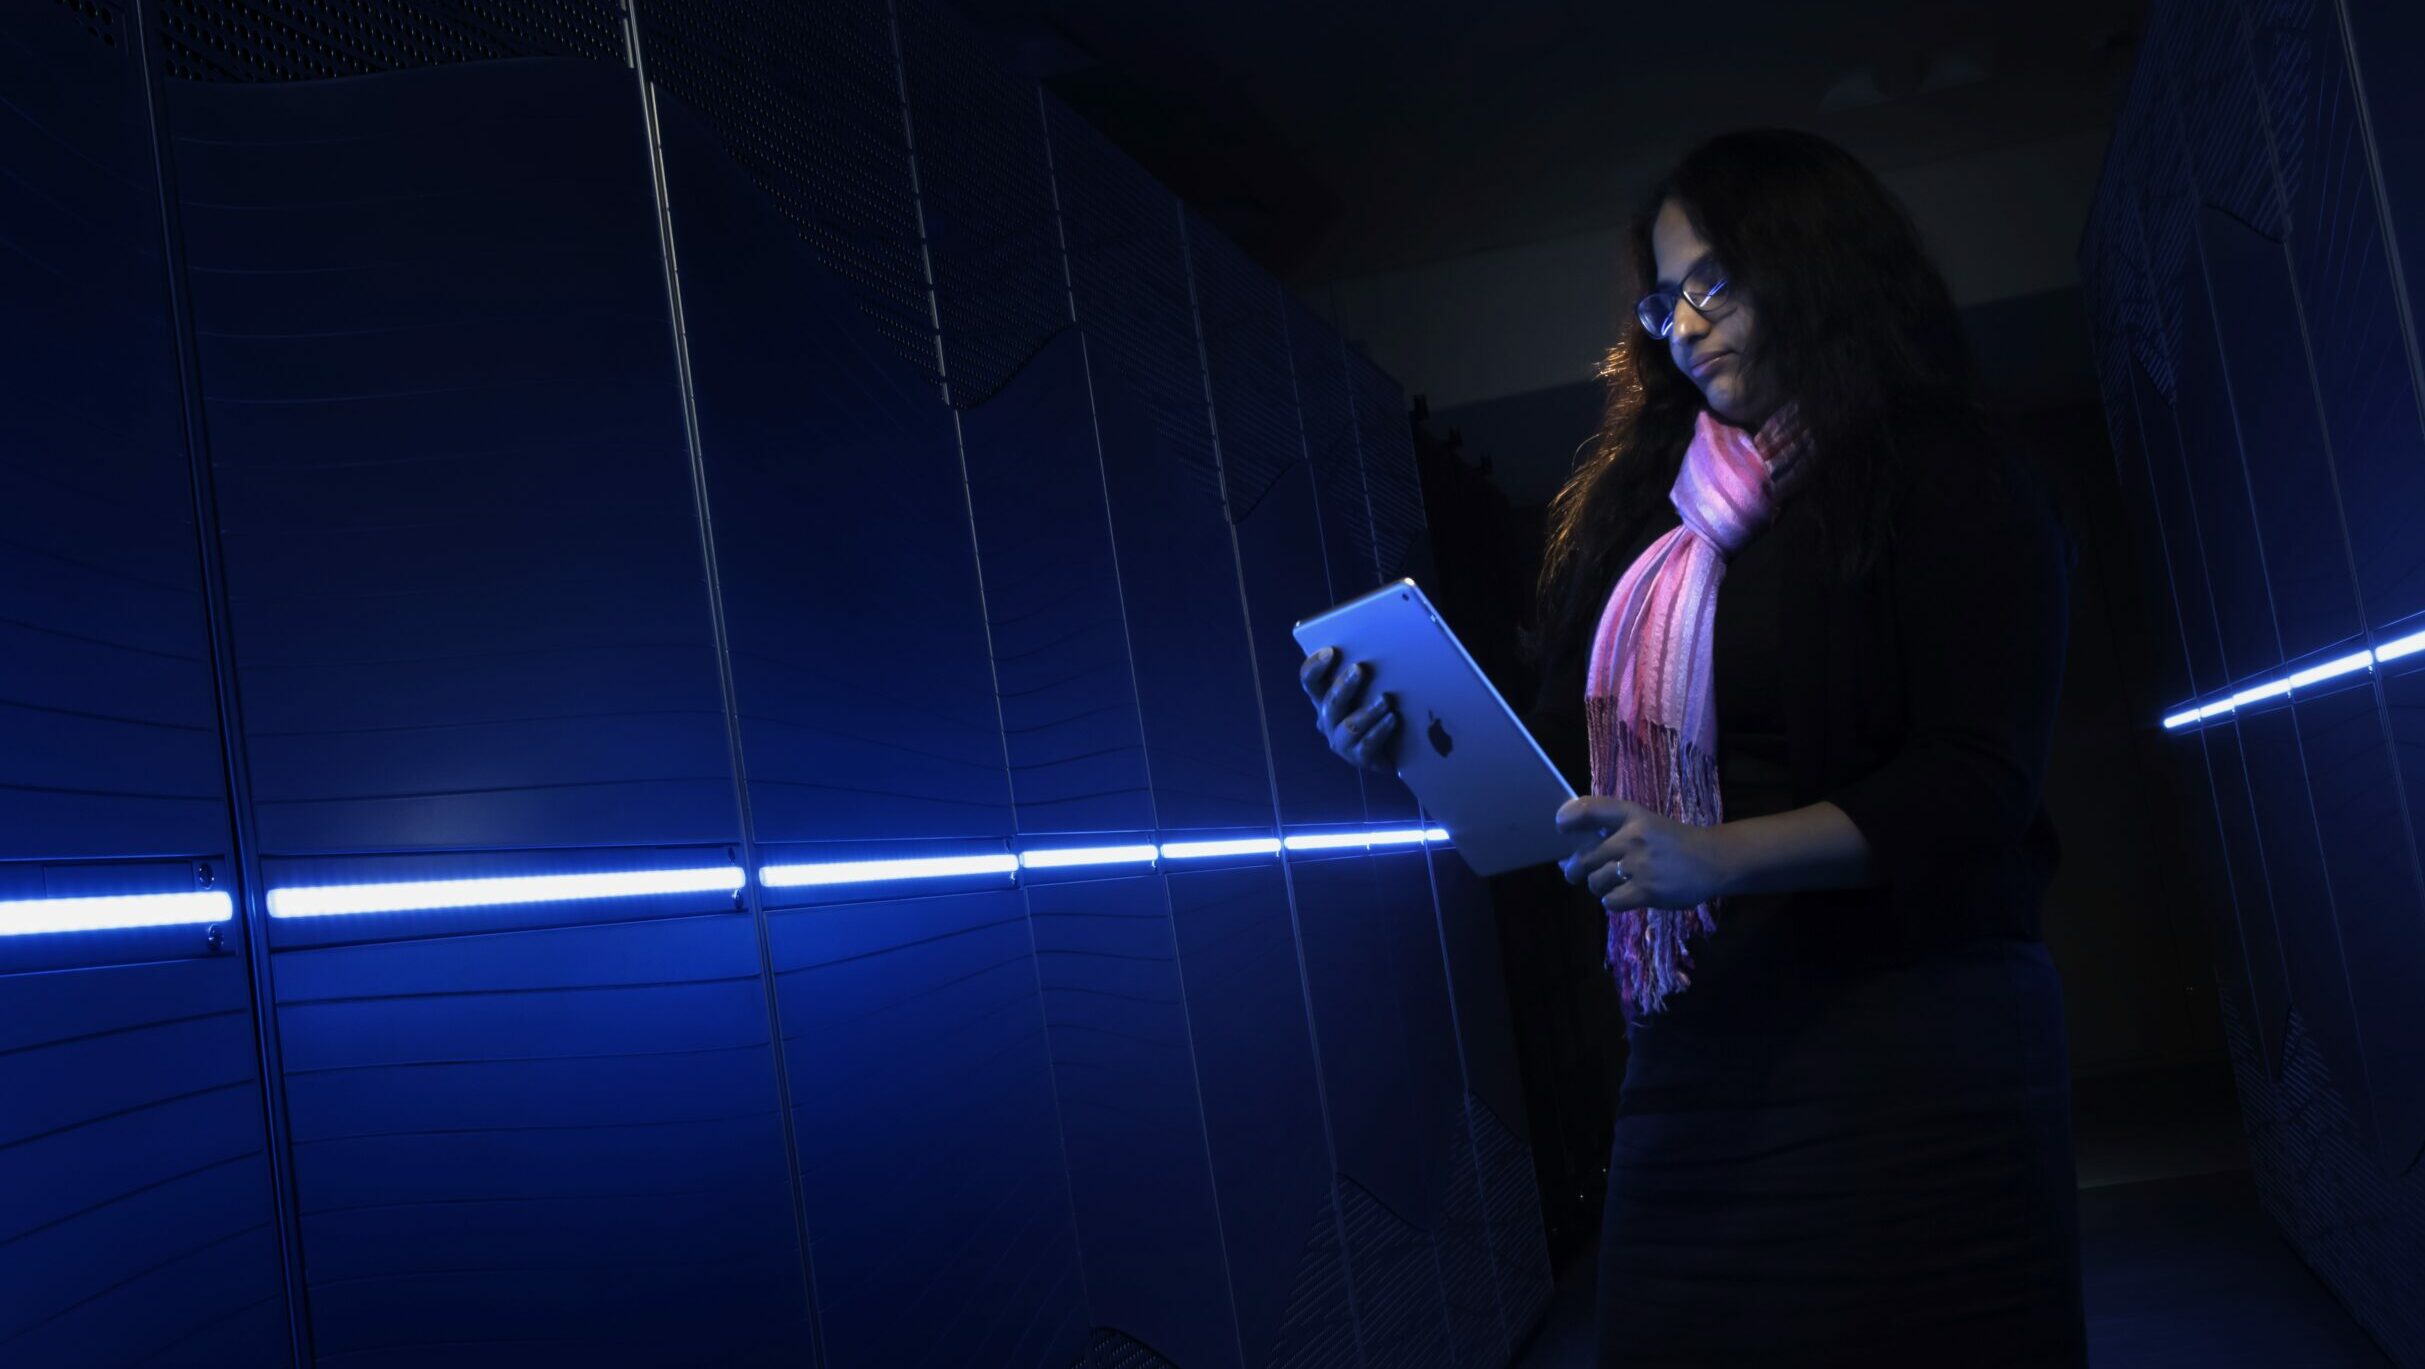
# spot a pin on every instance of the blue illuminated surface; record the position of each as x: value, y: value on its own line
x: 2333, y: 669
x: 331, y: 899
x: 33, y: 916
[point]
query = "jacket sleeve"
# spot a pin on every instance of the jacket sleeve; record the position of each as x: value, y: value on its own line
x: 1980, y: 605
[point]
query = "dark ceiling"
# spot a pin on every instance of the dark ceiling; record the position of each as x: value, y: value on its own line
x: 1338, y: 139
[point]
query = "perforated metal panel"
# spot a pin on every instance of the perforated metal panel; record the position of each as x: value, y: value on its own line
x: 308, y: 40
x: 2282, y: 52
x: 2114, y: 270
x: 1246, y: 349
x: 1327, y: 421
x: 2157, y: 158
x: 2341, y: 260
x: 1109, y: 1349
x: 1129, y: 274
x: 137, y: 1223
x: 1398, y: 1290
x: 109, y: 735
x: 1272, y: 504
x: 102, y: 23
x: 1063, y: 667
x: 2224, y: 116
x: 2253, y: 363
x: 1468, y: 1285
x: 987, y: 195
x: 449, y: 458
x: 1390, y: 482
x: 930, y: 1149
x: 1513, y: 1196
x: 1317, y: 1330
x: 807, y: 99
x: 2364, y: 1233
x: 2103, y: 278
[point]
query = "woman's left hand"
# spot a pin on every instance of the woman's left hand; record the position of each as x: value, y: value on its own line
x: 1667, y: 864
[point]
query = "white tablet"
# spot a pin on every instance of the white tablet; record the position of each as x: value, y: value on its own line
x: 1460, y: 747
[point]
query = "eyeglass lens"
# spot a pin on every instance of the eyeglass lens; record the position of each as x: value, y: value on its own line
x: 1657, y: 310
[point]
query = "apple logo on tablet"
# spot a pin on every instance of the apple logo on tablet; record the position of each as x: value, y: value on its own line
x: 1438, y: 732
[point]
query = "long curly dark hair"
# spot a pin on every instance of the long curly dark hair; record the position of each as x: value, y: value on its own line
x: 1854, y: 323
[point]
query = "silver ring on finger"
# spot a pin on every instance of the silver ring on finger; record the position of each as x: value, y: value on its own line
x: 1619, y: 867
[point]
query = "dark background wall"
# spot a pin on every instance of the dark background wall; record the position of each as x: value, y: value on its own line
x: 2249, y: 266
x: 484, y: 441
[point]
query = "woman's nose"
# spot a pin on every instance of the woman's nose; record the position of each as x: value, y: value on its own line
x: 1689, y: 323
x: 1686, y: 331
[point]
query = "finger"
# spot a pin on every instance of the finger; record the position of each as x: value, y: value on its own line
x: 1601, y: 853
x: 1613, y: 873
x: 1345, y: 688
x: 1587, y: 858
x: 1317, y: 669
x: 1588, y: 813
x: 1577, y: 867
x: 1365, y: 718
x: 1374, y: 745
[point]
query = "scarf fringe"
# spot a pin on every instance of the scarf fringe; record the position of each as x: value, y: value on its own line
x: 1657, y: 768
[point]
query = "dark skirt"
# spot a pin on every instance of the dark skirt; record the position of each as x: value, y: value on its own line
x: 1858, y: 1167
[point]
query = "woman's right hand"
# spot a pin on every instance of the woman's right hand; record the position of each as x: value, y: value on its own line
x: 1365, y: 737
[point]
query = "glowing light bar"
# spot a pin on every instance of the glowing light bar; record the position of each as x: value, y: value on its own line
x: 871, y: 871
x: 2261, y: 692
x: 2346, y: 665
x: 1240, y: 846
x: 419, y: 895
x: 1087, y: 855
x: 2409, y: 645
x: 35, y: 916
x: 1384, y: 836
x: 2314, y: 674
x: 1323, y: 841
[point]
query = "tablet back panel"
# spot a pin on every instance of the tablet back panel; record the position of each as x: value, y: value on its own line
x: 1460, y: 748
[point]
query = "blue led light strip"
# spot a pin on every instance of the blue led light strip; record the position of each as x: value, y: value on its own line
x: 20, y: 917
x: 326, y: 900
x: 879, y: 871
x: 32, y: 916
x: 1386, y: 836
x: 2314, y: 674
x: 1063, y: 857
x: 1236, y: 846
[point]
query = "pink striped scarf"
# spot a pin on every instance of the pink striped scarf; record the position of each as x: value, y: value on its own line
x: 1648, y: 700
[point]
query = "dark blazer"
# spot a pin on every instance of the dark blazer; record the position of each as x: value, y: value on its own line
x: 1932, y: 683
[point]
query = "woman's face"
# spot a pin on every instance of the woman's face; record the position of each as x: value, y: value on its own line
x: 1721, y: 357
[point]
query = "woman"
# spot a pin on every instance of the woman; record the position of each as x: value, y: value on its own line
x: 1805, y: 620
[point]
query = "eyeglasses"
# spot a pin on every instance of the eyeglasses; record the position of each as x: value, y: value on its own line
x: 1704, y: 289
